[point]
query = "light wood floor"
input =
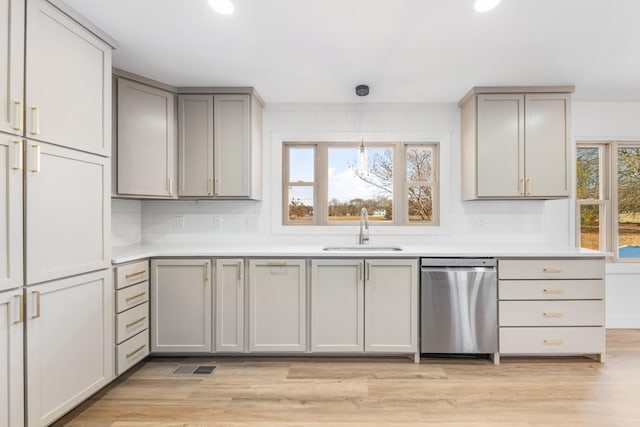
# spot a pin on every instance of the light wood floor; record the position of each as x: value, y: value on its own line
x: 559, y: 392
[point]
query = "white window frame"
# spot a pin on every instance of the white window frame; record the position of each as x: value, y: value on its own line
x: 400, y: 183
x: 608, y: 201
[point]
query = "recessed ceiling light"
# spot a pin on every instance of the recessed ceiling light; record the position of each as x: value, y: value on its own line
x: 224, y: 7
x: 483, y: 5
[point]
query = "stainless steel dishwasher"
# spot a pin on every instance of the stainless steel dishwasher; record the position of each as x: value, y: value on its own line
x: 458, y: 305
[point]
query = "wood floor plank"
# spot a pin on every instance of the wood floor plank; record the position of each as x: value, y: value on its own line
x: 358, y: 392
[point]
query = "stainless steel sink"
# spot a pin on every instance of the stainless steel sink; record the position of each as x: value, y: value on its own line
x: 362, y: 248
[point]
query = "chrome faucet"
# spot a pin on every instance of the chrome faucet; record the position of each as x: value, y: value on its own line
x: 364, y: 227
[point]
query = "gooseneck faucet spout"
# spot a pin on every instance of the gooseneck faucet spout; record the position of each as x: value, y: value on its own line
x: 364, y: 227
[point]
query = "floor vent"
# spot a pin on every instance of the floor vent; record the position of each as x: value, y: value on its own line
x: 194, y: 370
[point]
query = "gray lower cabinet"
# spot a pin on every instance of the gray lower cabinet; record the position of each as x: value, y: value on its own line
x: 277, y: 305
x: 181, y: 306
x: 146, y: 141
x: 230, y: 300
x: 337, y: 305
x: 220, y: 153
x: 69, y: 343
x: 364, y: 305
x: 11, y: 359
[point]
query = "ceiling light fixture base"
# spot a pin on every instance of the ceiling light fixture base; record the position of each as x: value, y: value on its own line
x: 362, y: 90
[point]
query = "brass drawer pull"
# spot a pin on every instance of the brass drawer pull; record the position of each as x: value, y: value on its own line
x: 20, y: 309
x: 132, y: 297
x: 553, y: 290
x: 552, y: 270
x: 552, y: 314
x: 135, y: 322
x: 137, y: 350
x: 553, y: 342
x: 137, y: 273
x: 276, y: 263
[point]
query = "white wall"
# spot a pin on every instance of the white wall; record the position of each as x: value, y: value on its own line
x: 476, y: 222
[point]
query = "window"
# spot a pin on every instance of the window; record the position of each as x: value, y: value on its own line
x: 330, y: 183
x: 608, y: 198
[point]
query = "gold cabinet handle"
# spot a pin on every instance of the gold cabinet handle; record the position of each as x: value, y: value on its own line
x: 18, y: 164
x: 132, y: 297
x: 553, y: 342
x: 521, y: 186
x: 528, y: 187
x: 170, y: 185
x: 368, y: 272
x: 137, y: 273
x: 206, y: 271
x: 552, y: 270
x: 36, y: 159
x: 37, y: 294
x: 359, y: 271
x: 239, y: 267
x: 276, y: 263
x: 215, y: 187
x: 553, y: 290
x: 552, y: 314
x: 35, y: 121
x: 209, y: 183
x: 136, y: 351
x: 20, y: 309
x: 18, y: 116
x: 135, y: 322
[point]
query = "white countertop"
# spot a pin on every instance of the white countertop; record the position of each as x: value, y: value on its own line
x: 134, y: 252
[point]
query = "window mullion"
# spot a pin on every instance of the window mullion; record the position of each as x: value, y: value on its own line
x: 321, y: 192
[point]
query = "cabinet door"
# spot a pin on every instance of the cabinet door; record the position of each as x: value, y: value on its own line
x: 68, y: 209
x: 195, y: 145
x: 11, y: 363
x: 277, y: 299
x: 229, y: 305
x: 11, y: 165
x: 500, y: 145
x: 337, y: 305
x: 68, y: 82
x: 181, y: 305
x: 12, y: 66
x: 231, y: 142
x: 391, y: 305
x: 69, y: 343
x: 146, y: 141
x: 547, y: 148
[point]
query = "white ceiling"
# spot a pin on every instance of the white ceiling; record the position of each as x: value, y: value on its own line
x: 406, y: 50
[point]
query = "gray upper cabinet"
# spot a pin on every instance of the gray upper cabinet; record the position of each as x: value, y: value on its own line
x: 12, y: 66
x: 220, y: 153
x: 146, y: 142
x: 68, y: 89
x: 515, y: 143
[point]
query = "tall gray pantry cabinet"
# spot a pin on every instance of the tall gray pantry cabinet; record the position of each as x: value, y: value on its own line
x: 54, y: 155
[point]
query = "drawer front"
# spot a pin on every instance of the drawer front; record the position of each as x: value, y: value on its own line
x: 131, y: 274
x: 132, y: 322
x: 551, y: 269
x: 551, y: 313
x: 550, y: 289
x: 132, y: 296
x: 132, y: 351
x: 552, y: 340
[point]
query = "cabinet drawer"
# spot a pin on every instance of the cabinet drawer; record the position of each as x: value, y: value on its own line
x: 131, y: 274
x: 132, y: 296
x: 551, y: 313
x: 132, y: 351
x: 131, y: 322
x: 551, y: 269
x: 550, y: 289
x: 552, y: 340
